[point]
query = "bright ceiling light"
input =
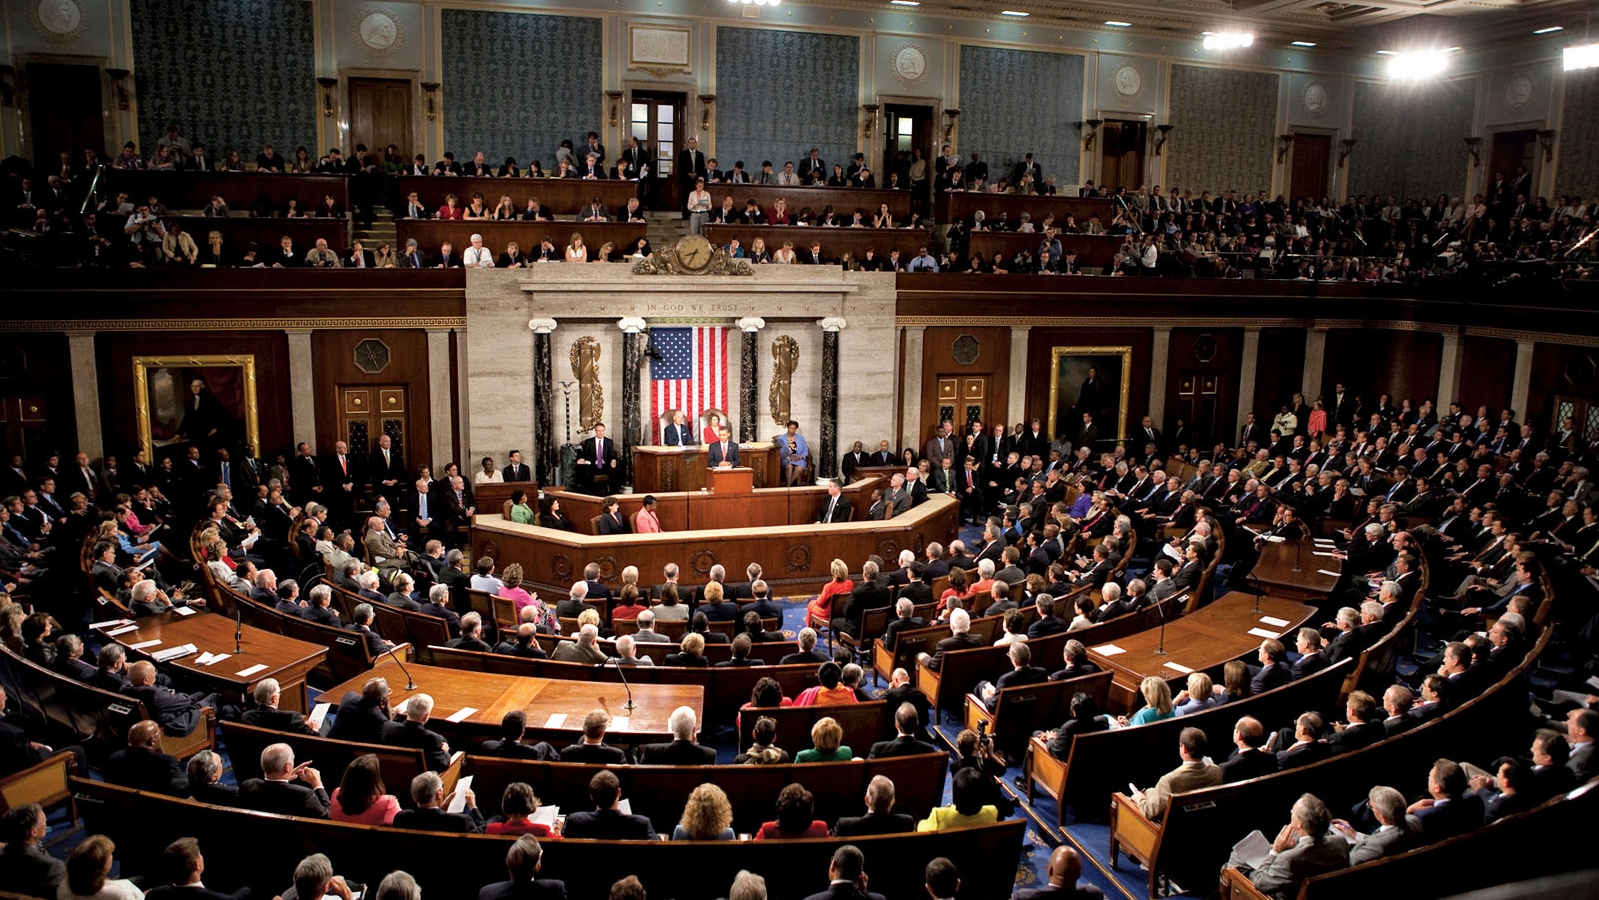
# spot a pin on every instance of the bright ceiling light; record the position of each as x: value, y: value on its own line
x: 756, y: 2
x: 1584, y: 56
x: 1115, y: 24
x: 1012, y: 12
x: 904, y: 3
x: 1550, y: 30
x: 1386, y: 53
x: 1228, y: 40
x: 1417, y: 64
x: 1303, y: 43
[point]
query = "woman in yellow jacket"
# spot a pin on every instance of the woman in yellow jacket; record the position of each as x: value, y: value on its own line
x: 966, y: 807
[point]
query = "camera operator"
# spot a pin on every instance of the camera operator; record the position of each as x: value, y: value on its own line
x: 976, y: 751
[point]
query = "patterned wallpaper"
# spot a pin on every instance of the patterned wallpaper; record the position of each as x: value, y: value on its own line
x: 1579, y: 137
x: 1015, y: 102
x: 516, y: 84
x: 780, y: 93
x: 1410, y: 138
x: 231, y: 73
x: 1212, y: 150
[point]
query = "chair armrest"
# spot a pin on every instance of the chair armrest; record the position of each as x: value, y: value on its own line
x: 977, y: 712
x: 1235, y: 885
x: 452, y: 772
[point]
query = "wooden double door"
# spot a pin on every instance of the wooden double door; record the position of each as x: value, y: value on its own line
x: 367, y: 411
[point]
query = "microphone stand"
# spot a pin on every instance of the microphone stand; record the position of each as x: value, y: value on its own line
x: 409, y: 684
x: 1299, y: 555
x: 1161, y: 608
x: 238, y: 633
x: 629, y: 705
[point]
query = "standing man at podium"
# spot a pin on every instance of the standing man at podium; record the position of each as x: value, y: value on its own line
x: 677, y: 433
x: 724, y: 453
x: 596, y: 457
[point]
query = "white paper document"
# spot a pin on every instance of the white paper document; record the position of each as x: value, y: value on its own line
x: 620, y: 723
x: 143, y: 644
x: 1253, y: 850
x: 318, y: 715
x: 460, y: 714
x: 183, y: 610
x: 1273, y: 538
x: 1273, y: 620
x: 172, y: 653
x: 458, y: 802
x: 246, y: 673
x: 1179, y: 667
x: 1108, y: 650
x: 211, y: 659
x: 545, y: 815
x: 625, y: 807
x: 112, y: 624
x: 1328, y: 572
x: 1261, y: 632
x: 123, y: 630
x: 556, y: 720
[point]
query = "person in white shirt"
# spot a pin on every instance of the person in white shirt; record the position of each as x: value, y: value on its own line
x: 478, y: 256
x: 489, y: 474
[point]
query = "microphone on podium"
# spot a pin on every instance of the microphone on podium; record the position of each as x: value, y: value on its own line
x: 410, y: 685
x: 629, y: 705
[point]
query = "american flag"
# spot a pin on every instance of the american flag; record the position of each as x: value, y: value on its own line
x: 691, y: 374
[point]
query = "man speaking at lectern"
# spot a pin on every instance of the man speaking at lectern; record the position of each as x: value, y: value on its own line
x: 724, y: 453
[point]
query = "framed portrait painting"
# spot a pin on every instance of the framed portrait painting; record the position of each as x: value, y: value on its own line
x: 1091, y: 381
x: 205, y: 401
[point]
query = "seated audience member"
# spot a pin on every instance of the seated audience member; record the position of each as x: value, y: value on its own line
x: 826, y: 743
x: 523, y: 860
x: 708, y: 816
x: 89, y: 871
x: 880, y: 817
x: 960, y: 638
x: 361, y: 797
x: 1396, y: 832
x: 1452, y: 808
x: 795, y: 810
x: 471, y: 635
x: 509, y: 745
x: 266, y: 714
x: 178, y: 714
x: 145, y: 766
x: 1308, y: 746
x: 592, y: 748
x: 829, y: 691
x: 1303, y: 849
x: 966, y: 806
x: 691, y: 652
x: 807, y: 652
x: 847, y: 873
x: 361, y: 717
x: 1157, y: 703
x: 581, y: 650
x: 1085, y: 719
x: 682, y: 749
x: 1249, y: 759
x: 762, y: 750
x: 1065, y: 868
x: 907, y: 723
x: 205, y: 781
x: 1361, y: 730
x: 1022, y: 673
x: 314, y: 877
x: 432, y: 813
x: 182, y: 867
x: 1199, y: 695
x: 412, y: 731
x: 607, y: 822
x: 284, y: 788
x: 518, y: 803
x: 1194, y: 773
x: 25, y: 867
x: 1075, y: 657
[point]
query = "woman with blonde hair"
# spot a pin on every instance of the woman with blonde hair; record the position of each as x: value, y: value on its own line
x: 1157, y: 703
x: 1200, y: 694
x: 827, y: 743
x: 708, y: 816
x: 89, y: 874
x: 690, y: 652
x: 575, y: 251
x: 820, y: 610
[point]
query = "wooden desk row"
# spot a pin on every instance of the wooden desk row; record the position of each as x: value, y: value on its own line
x: 1094, y: 251
x: 563, y: 196
x: 835, y: 241
x: 789, y: 554
x: 268, y: 655
x: 949, y: 206
x: 241, y: 190
x: 431, y: 233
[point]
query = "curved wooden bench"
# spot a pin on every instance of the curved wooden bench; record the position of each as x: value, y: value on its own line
x: 1017, y: 712
x: 864, y: 724
x: 397, y: 764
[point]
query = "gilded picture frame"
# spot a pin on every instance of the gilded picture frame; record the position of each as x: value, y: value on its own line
x: 1068, y: 368
x: 161, y: 391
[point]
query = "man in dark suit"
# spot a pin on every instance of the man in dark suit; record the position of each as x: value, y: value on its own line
x: 522, y: 863
x: 961, y: 638
x: 854, y: 459
x: 1307, y: 747
x: 724, y: 451
x: 25, y: 866
x: 1248, y: 760
x: 305, y: 476
x: 183, y: 867
x: 905, y: 743
x: 1047, y: 623
x: 1311, y: 658
x: 431, y: 812
x: 339, y: 480
x: 517, y: 470
x: 807, y: 652
x: 1452, y: 809
x: 284, y: 788
x: 1065, y: 867
x: 880, y: 817
x: 265, y: 713
x: 883, y: 457
x: 361, y: 717
x: 835, y: 508
x: 690, y: 166
x: 868, y: 594
x: 915, y: 589
x: 682, y: 750
x: 1360, y: 731
x: 412, y: 731
x: 143, y: 765
x: 904, y: 619
x: 1273, y: 669
x: 677, y: 433
x: 593, y: 749
x: 386, y: 469
x: 177, y: 713
x: 607, y: 822
x: 846, y: 874
x: 597, y: 456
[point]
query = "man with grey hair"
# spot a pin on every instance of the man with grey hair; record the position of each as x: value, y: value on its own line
x: 412, y: 731
x: 285, y: 788
x: 265, y: 714
x: 522, y: 863
x: 682, y: 750
x: 1114, y: 603
x: 205, y: 780
x: 627, y: 654
x: 581, y: 650
x: 265, y: 590
x: 431, y: 812
x: 904, y: 617
x: 960, y: 638
x: 573, y: 606
x: 471, y: 634
x: 439, y: 605
x: 1396, y: 832
x: 807, y: 652
x: 320, y: 611
x: 369, y: 583
x: 1347, y: 639
x: 361, y: 623
x: 747, y: 886
x: 314, y: 880
x: 935, y: 566
x: 646, y: 629
x: 880, y: 817
x: 1304, y: 848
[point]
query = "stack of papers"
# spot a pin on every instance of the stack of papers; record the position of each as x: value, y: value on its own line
x: 183, y: 610
x: 318, y: 714
x: 208, y: 658
x: 545, y: 815
x: 122, y: 630
x: 114, y: 623
x: 1108, y: 650
x: 556, y: 720
x: 1179, y: 667
x: 143, y: 644
x: 172, y: 653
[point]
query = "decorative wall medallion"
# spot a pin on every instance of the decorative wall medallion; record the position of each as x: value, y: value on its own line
x: 910, y: 64
x: 1128, y: 80
x: 561, y: 566
x: 1204, y: 348
x: 1518, y: 90
x: 491, y: 549
x: 372, y: 356
x: 702, y: 561
x: 888, y: 549
x: 798, y: 558
x: 1316, y: 100
x: 58, y: 20
x: 610, y: 572
x: 966, y: 349
x: 380, y: 31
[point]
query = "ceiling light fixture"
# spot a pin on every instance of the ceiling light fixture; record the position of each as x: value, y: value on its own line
x: 1012, y: 12
x: 904, y: 3
x: 1115, y: 24
x: 756, y: 2
x: 1303, y: 43
x: 1550, y: 30
x: 1417, y: 64
x: 1386, y: 53
x: 1228, y: 40
x: 1583, y: 56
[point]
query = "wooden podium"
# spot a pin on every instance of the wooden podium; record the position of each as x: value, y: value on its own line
x: 738, y: 480
x: 659, y: 470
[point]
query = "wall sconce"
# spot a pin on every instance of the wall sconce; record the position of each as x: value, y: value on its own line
x: 431, y: 88
x: 1090, y: 131
x: 1473, y: 145
x: 1349, y: 147
x: 1284, y: 141
x: 8, y: 86
x: 949, y: 126
x: 1163, y: 137
x: 871, y: 119
x: 119, y: 80
x: 328, y: 84
x: 705, y: 111
x: 616, y: 105
x: 1546, y: 140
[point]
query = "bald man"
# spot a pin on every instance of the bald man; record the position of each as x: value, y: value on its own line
x: 1065, y: 867
x: 144, y: 765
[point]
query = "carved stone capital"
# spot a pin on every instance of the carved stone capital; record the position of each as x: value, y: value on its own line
x: 750, y: 324
x: 631, y: 324
x: 541, y: 326
x: 832, y: 323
